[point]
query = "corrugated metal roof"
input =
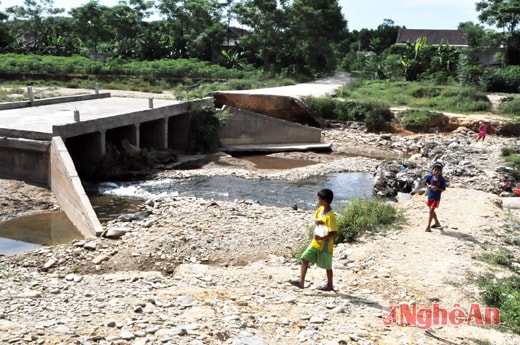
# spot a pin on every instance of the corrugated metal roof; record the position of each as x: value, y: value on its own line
x: 433, y: 37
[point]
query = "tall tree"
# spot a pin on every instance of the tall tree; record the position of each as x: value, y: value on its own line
x: 479, y: 40
x: 5, y: 36
x: 91, y: 26
x: 35, y: 21
x: 194, y: 27
x: 319, y: 28
x: 128, y: 27
x: 207, y: 29
x: 384, y: 36
x: 267, y: 21
x: 504, y: 14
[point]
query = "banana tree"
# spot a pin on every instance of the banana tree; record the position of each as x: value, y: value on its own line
x: 411, y: 59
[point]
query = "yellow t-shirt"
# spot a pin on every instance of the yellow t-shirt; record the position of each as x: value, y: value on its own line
x: 329, y: 219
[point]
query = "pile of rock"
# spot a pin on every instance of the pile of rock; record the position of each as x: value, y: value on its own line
x: 466, y: 163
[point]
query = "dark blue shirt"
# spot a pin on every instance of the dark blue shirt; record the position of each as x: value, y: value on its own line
x: 441, y: 183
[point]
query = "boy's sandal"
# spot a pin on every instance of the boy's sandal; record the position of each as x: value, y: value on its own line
x: 325, y: 287
x: 295, y: 282
x: 436, y: 226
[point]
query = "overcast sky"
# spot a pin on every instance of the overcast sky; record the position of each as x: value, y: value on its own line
x: 413, y: 14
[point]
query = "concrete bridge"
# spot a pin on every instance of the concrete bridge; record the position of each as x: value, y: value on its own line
x: 53, y: 142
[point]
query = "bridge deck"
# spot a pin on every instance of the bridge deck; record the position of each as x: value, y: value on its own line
x: 42, y: 118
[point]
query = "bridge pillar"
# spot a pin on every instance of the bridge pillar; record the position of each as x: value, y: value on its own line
x: 153, y: 134
x: 103, y: 142
x: 137, y: 136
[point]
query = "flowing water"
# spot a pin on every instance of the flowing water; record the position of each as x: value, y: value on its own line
x: 111, y: 199
x: 266, y: 192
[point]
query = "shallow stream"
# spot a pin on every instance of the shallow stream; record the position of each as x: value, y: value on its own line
x: 111, y: 199
x: 266, y: 192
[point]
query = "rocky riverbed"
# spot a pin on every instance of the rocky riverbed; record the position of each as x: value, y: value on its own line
x: 196, y: 271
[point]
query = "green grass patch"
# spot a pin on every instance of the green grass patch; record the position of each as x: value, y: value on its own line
x: 359, y: 216
x: 511, y: 155
x: 373, y: 112
x: 421, y: 94
x: 497, y: 257
x: 417, y: 120
x: 513, y: 159
x: 511, y: 107
x: 362, y: 215
x: 503, y: 294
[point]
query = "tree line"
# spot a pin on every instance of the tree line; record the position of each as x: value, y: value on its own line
x: 298, y: 37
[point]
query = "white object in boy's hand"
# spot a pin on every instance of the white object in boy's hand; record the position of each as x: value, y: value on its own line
x: 321, y: 230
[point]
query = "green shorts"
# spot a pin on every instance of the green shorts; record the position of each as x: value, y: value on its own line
x: 318, y: 257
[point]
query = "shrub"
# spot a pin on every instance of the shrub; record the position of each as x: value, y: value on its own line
x: 502, y: 80
x: 203, y: 130
x: 470, y: 74
x: 351, y: 110
x: 510, y: 154
x: 417, y: 120
x: 361, y: 215
x: 159, y: 69
x: 503, y: 294
x: 323, y: 107
x: 374, y: 113
x: 377, y: 114
x: 507, y: 151
x: 511, y: 107
x: 470, y: 100
x: 422, y: 92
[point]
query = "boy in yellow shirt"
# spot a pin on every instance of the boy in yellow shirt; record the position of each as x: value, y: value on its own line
x: 320, y: 249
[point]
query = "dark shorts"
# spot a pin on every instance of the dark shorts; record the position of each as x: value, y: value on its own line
x: 433, y: 203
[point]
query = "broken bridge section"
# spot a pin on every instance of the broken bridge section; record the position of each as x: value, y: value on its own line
x: 266, y: 123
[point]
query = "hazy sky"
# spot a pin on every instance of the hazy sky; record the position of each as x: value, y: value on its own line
x: 414, y: 14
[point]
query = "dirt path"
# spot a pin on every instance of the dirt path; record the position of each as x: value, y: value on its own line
x: 318, y: 88
x: 413, y: 266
